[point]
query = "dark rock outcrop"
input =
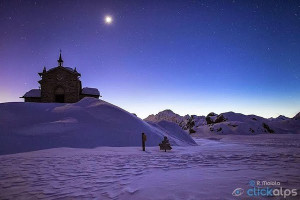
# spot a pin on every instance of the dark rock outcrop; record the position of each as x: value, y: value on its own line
x: 267, y: 128
x: 213, y: 118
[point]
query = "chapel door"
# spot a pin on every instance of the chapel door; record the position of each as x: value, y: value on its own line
x: 59, y: 95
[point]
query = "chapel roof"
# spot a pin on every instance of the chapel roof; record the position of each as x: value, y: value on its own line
x: 90, y: 91
x: 36, y: 93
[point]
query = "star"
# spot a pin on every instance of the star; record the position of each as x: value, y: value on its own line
x: 108, y: 19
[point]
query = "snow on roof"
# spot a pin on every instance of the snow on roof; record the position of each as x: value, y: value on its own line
x: 33, y: 93
x: 67, y: 68
x: 90, y: 91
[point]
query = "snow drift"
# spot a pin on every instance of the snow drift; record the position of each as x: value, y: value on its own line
x: 86, y: 124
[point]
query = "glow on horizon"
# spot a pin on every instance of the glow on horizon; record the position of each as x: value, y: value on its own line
x: 145, y: 107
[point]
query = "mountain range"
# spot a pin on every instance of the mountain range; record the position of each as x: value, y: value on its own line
x: 229, y: 123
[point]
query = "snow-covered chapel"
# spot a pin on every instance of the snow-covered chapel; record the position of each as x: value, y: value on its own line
x: 60, y: 84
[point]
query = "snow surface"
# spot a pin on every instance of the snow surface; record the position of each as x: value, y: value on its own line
x: 33, y: 93
x: 209, y: 171
x: 69, y: 68
x: 91, y: 91
x: 172, y: 129
x: 88, y: 123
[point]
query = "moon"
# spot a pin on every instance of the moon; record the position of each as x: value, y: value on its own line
x: 108, y: 19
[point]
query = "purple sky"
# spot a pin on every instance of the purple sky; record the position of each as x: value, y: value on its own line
x: 193, y: 57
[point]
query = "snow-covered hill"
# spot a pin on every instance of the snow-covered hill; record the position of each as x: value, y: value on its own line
x: 86, y: 124
x: 230, y: 123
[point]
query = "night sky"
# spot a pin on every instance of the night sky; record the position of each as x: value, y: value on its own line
x: 193, y: 57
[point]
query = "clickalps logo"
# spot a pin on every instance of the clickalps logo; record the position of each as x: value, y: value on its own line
x: 265, y: 189
x: 238, y: 192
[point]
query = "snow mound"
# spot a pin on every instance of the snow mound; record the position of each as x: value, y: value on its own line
x: 88, y: 123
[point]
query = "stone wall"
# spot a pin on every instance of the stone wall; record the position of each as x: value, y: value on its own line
x: 88, y: 95
x: 32, y: 99
x: 60, y: 78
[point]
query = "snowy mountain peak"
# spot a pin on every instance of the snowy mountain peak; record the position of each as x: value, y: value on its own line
x: 211, y: 114
x: 167, y: 115
x: 297, y: 117
x: 282, y: 117
x: 167, y: 111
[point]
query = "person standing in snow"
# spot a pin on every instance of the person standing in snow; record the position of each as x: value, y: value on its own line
x: 144, y: 138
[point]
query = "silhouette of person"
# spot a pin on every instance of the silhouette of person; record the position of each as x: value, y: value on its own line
x: 144, y: 138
